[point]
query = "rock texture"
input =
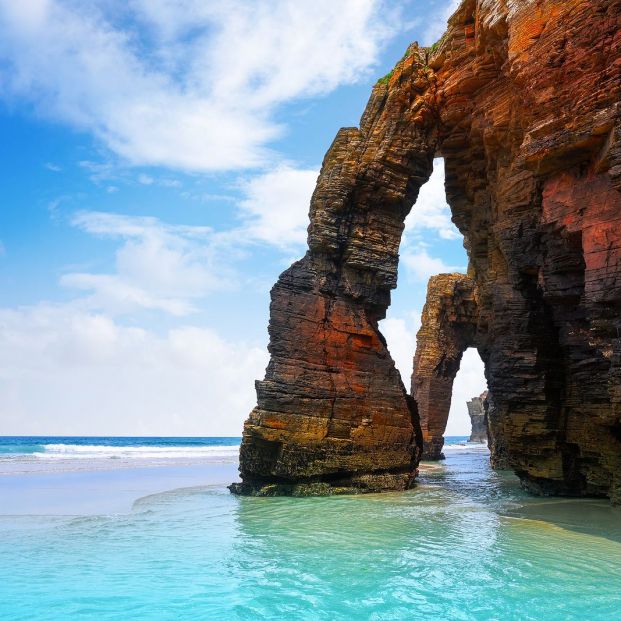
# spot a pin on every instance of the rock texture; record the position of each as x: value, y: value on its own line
x: 478, y: 418
x: 522, y: 101
x: 332, y: 406
x: 447, y: 329
x: 498, y: 456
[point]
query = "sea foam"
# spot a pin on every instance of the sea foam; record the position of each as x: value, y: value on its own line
x: 94, y: 451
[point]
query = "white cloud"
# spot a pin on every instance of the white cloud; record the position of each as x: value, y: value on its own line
x: 94, y: 376
x: 169, y: 268
x: 145, y: 179
x: 276, y: 204
x: 53, y: 167
x: 430, y: 215
x: 187, y: 84
x: 420, y: 266
x: 470, y: 382
x: 158, y: 266
x: 437, y: 27
x: 431, y: 211
x: 400, y: 333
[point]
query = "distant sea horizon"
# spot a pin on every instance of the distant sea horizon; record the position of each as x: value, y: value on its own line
x: 11, y: 443
x: 63, y: 451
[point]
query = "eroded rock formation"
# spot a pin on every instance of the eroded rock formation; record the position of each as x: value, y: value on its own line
x: 522, y: 101
x: 498, y: 456
x: 448, y: 327
x: 478, y: 418
x: 332, y: 409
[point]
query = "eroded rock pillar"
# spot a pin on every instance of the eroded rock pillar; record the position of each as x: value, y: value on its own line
x: 478, y: 418
x: 332, y: 412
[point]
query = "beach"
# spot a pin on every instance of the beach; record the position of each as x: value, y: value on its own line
x: 162, y: 538
x: 106, y: 475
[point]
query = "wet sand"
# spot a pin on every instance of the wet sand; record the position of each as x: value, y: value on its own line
x: 102, y: 491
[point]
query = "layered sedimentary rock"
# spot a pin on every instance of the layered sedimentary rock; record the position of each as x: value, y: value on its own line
x: 478, y: 418
x: 498, y: 456
x: 522, y: 101
x: 530, y: 107
x: 332, y: 409
x: 448, y: 327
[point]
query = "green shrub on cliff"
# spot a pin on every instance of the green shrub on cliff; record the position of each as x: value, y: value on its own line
x: 386, y: 78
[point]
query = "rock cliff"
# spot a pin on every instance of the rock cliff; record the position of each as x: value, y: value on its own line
x: 522, y: 99
x: 478, y: 418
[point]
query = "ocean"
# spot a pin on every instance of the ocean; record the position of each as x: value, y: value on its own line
x: 145, y: 529
x: 54, y: 448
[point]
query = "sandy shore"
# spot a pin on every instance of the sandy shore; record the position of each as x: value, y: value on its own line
x: 97, y: 492
x: 106, y: 486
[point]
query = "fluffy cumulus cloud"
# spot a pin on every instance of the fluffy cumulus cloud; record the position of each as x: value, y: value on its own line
x: 276, y: 204
x: 66, y: 370
x: 188, y: 84
x: 157, y: 266
x: 95, y: 374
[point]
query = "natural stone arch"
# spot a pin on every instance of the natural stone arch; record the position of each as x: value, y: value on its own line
x: 448, y: 328
x: 521, y: 99
x: 332, y: 410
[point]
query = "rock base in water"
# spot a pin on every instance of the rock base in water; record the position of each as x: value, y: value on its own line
x: 363, y: 484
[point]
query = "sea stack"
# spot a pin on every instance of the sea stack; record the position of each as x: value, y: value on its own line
x: 478, y: 418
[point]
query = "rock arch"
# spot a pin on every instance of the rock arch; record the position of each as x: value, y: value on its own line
x: 332, y: 409
x: 448, y: 328
x: 521, y: 100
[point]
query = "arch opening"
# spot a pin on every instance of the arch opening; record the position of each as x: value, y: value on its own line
x: 445, y: 329
x: 466, y: 420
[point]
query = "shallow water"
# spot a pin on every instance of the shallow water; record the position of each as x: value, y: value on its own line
x: 467, y: 543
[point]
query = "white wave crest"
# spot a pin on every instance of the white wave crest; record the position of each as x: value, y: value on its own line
x: 95, y: 451
x: 466, y: 446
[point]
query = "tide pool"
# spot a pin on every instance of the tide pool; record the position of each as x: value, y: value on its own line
x: 466, y: 544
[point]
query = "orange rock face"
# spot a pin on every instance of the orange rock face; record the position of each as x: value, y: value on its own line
x: 522, y: 99
x: 332, y: 411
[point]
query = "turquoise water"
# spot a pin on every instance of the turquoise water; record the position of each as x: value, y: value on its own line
x: 467, y: 543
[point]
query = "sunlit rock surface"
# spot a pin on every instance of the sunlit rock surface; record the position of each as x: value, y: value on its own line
x: 522, y: 101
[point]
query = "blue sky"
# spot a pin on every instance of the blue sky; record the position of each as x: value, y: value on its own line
x: 158, y: 159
